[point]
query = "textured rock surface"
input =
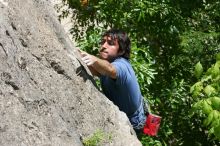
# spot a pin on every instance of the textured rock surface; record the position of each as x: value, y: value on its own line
x: 46, y: 95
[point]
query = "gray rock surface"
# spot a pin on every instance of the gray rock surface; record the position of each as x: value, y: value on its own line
x: 47, y: 96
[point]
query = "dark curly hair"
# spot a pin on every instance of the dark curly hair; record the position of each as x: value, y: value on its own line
x: 123, y: 41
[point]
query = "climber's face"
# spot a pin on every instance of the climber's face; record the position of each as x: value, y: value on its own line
x: 109, y: 48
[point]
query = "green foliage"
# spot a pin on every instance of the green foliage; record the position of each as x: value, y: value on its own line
x: 198, y: 70
x: 142, y: 63
x: 207, y: 97
x: 199, y: 47
x: 150, y: 141
x: 91, y: 43
x: 98, y: 138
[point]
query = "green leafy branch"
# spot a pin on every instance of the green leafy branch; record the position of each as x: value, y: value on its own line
x: 206, y: 93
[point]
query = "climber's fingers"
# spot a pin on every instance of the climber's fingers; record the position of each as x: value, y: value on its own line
x: 82, y: 53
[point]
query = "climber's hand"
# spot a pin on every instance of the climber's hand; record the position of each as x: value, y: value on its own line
x: 87, y: 58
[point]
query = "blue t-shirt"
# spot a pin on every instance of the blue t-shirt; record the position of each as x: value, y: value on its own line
x: 124, y: 91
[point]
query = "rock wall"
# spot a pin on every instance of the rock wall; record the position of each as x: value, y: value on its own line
x: 47, y: 96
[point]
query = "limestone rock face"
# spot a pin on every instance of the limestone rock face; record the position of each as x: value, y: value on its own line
x: 47, y: 96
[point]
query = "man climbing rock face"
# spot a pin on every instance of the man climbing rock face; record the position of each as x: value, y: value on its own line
x: 118, y: 80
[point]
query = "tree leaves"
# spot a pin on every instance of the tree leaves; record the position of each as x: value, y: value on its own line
x: 209, y: 90
x: 208, y: 97
x: 215, y: 102
x: 198, y: 70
